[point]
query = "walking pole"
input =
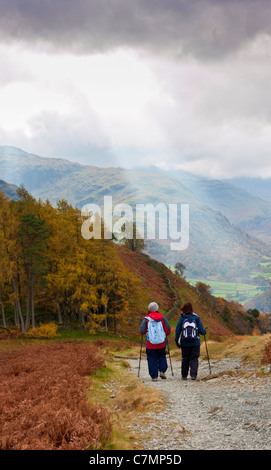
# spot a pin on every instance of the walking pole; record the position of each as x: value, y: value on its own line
x: 207, y: 355
x: 169, y: 357
x: 140, y: 355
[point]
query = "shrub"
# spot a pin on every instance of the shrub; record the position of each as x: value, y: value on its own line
x: 48, y: 330
x: 10, y: 332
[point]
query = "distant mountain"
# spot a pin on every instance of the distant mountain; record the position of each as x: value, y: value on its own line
x: 241, y: 207
x: 82, y: 184
x: 9, y: 189
x: 19, y: 167
x: 217, y: 248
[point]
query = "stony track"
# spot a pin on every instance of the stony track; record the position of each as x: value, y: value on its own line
x: 228, y: 410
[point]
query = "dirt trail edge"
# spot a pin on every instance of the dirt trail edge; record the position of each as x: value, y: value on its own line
x: 226, y: 411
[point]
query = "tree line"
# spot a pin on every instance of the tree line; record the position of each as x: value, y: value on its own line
x: 45, y: 261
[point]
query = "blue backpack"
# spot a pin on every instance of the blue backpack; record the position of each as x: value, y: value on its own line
x: 156, y: 333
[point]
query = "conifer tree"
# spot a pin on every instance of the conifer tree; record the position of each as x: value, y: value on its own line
x: 33, y: 235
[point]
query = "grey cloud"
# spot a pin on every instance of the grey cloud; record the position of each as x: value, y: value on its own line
x: 204, y: 28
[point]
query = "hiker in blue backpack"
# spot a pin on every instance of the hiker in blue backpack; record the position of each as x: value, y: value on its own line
x: 157, y: 328
x: 188, y: 329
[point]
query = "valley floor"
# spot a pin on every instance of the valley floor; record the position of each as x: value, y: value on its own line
x: 228, y: 410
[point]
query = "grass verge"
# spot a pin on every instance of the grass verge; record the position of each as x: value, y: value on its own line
x: 248, y: 348
x: 117, y: 390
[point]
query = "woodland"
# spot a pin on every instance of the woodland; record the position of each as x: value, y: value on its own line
x: 44, y: 260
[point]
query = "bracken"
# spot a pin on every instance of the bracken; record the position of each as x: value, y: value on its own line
x: 267, y: 354
x: 43, y: 399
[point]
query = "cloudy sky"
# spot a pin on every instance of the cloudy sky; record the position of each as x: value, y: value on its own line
x: 174, y: 83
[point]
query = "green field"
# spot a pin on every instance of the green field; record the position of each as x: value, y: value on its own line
x: 264, y: 270
x: 231, y: 290
x: 236, y: 291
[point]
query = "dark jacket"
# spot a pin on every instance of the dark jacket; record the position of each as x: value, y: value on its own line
x: 179, y: 329
x: 144, y: 328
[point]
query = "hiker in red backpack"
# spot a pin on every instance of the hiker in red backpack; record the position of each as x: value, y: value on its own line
x: 157, y: 328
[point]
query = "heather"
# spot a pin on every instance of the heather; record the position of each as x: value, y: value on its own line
x: 43, y: 399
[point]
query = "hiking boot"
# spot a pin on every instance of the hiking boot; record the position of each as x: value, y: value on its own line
x: 155, y: 380
x: 193, y: 378
x: 162, y: 375
x: 184, y: 378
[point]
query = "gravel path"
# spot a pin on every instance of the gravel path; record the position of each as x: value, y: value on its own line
x: 228, y: 411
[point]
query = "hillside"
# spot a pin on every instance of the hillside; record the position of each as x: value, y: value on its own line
x: 262, y: 302
x: 217, y: 249
x: 221, y: 318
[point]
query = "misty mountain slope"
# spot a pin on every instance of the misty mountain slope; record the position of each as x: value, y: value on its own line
x: 242, y: 207
x: 217, y: 247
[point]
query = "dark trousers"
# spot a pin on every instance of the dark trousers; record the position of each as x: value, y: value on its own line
x: 157, y: 361
x: 190, y: 356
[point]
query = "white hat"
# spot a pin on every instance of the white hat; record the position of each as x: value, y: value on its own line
x: 153, y: 307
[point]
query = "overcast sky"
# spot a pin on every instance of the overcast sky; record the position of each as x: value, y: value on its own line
x: 174, y: 83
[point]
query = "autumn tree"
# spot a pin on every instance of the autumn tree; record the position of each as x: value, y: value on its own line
x: 180, y: 268
x: 204, y: 290
x: 33, y: 235
x: 9, y: 253
x: 226, y: 314
x: 254, y: 312
x: 135, y: 242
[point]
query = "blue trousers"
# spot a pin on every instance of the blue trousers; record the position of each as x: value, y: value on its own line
x: 157, y: 361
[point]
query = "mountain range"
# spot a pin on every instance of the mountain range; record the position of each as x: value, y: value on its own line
x: 229, y: 226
